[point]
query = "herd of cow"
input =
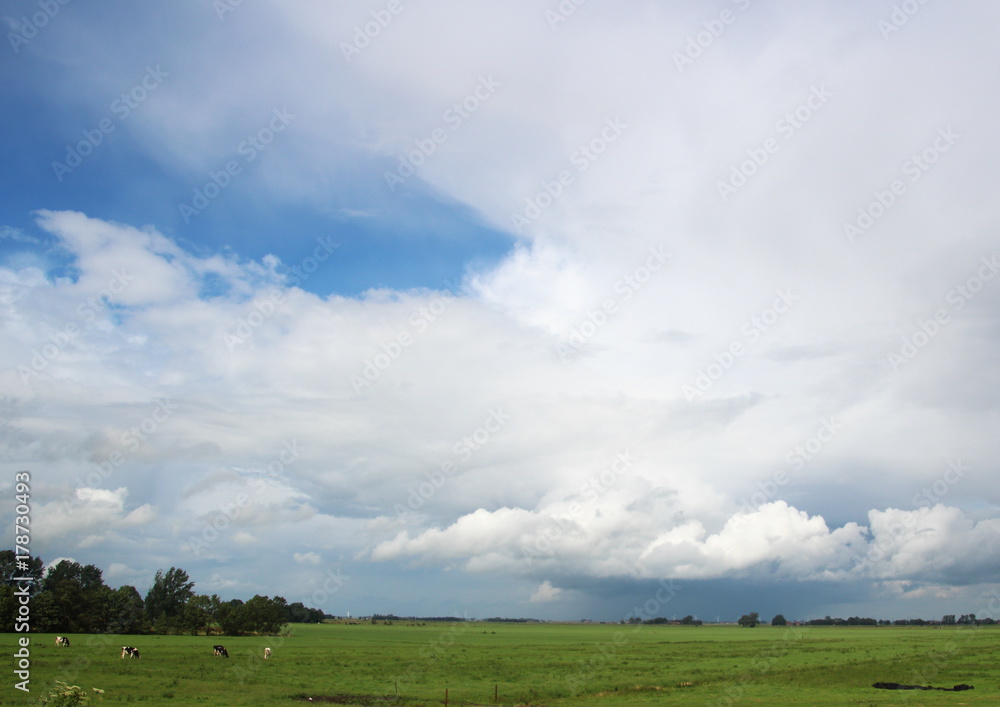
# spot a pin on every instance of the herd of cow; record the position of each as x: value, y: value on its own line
x: 133, y: 652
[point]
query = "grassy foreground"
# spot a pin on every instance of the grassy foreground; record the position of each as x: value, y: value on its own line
x: 534, y: 664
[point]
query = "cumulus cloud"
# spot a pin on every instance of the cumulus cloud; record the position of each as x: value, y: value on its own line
x: 90, y: 516
x: 659, y: 358
x: 545, y: 593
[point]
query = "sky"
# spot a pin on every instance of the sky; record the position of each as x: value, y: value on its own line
x: 559, y: 310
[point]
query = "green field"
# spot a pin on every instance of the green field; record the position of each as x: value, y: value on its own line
x: 533, y: 664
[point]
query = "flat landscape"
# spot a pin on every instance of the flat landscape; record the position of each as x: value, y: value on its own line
x: 484, y: 663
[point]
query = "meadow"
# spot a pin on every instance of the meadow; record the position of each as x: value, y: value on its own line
x: 481, y: 663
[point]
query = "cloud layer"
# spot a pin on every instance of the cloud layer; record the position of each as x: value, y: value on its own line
x: 745, y: 329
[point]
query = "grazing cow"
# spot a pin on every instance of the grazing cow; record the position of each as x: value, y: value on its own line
x: 62, y: 641
x: 267, y: 653
x: 130, y: 652
x: 221, y: 650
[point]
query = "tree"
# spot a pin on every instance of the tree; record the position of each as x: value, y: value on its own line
x: 30, y: 567
x: 128, y: 612
x: 264, y: 615
x: 74, y: 599
x: 779, y: 620
x: 750, y: 620
x: 231, y: 618
x: 199, y: 612
x: 166, y: 598
x: 298, y: 613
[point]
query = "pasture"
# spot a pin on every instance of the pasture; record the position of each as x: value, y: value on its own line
x: 531, y: 664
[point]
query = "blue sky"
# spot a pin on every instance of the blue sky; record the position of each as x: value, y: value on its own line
x: 406, y: 237
x: 500, y: 309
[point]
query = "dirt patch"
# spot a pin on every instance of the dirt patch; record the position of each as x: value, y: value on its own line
x: 898, y: 686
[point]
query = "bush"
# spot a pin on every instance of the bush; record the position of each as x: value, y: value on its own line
x: 66, y: 695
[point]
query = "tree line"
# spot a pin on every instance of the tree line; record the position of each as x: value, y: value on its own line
x: 752, y: 619
x: 68, y: 597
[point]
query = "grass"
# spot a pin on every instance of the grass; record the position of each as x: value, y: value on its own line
x: 528, y: 664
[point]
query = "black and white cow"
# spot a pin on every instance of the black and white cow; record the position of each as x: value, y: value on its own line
x: 267, y: 653
x: 62, y: 641
x: 221, y: 650
x: 130, y: 651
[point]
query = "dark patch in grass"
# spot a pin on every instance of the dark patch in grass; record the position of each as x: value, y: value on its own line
x: 897, y: 686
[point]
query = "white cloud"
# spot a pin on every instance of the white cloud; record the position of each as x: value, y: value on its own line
x: 307, y: 558
x: 92, y: 356
x: 90, y: 516
x: 545, y: 593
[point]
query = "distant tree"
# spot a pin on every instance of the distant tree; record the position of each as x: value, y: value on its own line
x: 128, y: 612
x: 299, y: 613
x: 264, y: 615
x: 46, y: 615
x: 779, y: 620
x: 32, y: 567
x: 166, y: 599
x: 948, y: 619
x: 76, y: 599
x: 199, y: 613
x: 750, y: 620
x: 691, y: 621
x: 231, y: 617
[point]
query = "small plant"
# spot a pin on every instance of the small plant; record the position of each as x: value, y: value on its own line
x: 66, y: 695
